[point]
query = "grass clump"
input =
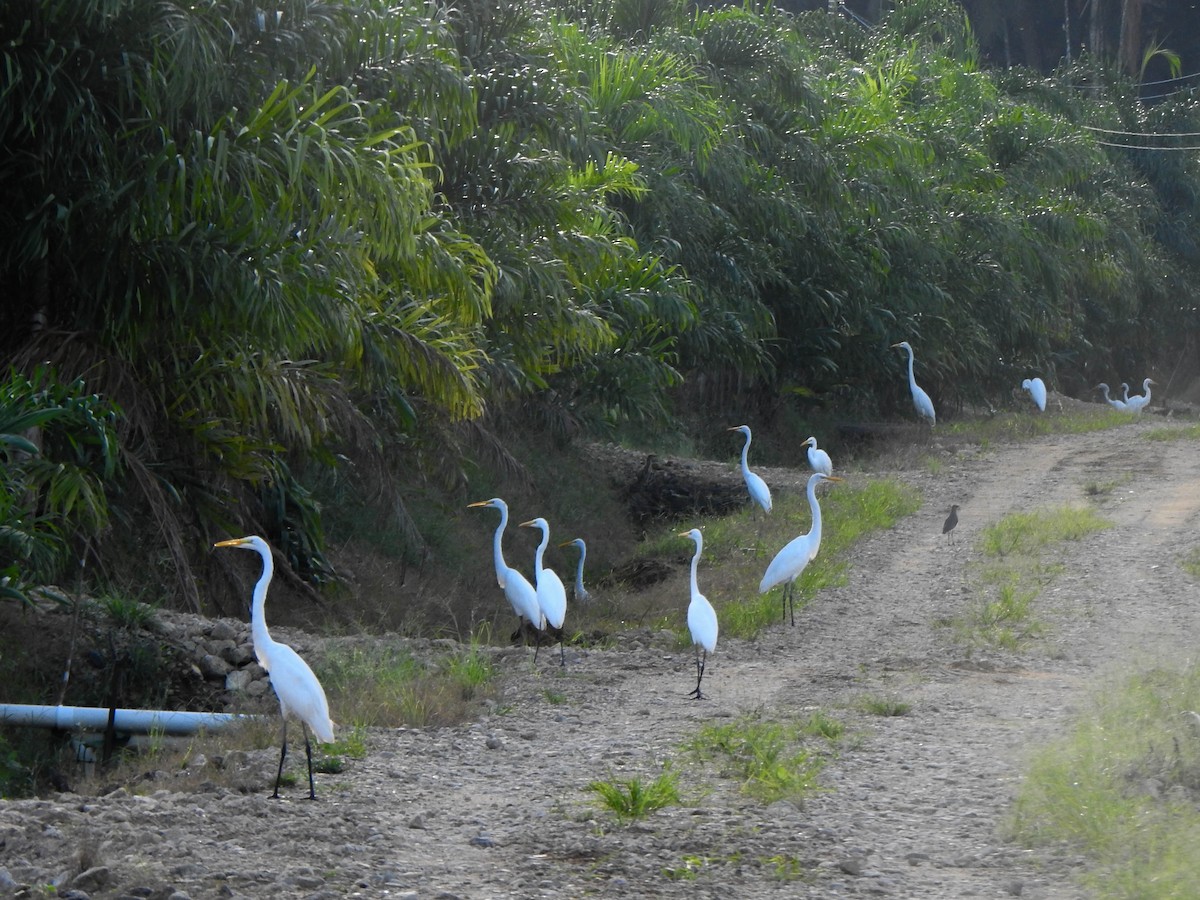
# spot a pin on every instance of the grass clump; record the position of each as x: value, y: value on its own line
x: 1016, y: 571
x: 1190, y: 562
x: 1174, y: 433
x: 885, y: 707
x: 1027, y: 533
x: 765, y: 757
x: 388, y: 686
x: 1124, y: 788
x: 634, y: 799
x: 1016, y: 425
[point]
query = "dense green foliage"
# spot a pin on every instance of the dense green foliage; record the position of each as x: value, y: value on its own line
x: 353, y: 236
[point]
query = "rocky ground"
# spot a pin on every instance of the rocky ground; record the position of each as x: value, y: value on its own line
x: 912, y: 806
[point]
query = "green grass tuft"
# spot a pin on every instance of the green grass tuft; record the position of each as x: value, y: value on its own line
x: 1124, y: 788
x: 632, y: 799
x: 1174, y: 433
x: 763, y: 756
x: 886, y: 707
x: 1016, y: 571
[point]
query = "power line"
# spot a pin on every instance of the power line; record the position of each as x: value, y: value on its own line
x: 1143, y: 134
x: 1146, y: 147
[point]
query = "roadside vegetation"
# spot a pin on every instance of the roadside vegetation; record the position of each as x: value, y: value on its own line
x: 1019, y: 561
x: 350, y: 262
x: 1124, y: 788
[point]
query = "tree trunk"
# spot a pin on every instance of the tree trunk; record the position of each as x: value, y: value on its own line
x: 1096, y: 31
x: 1130, y: 52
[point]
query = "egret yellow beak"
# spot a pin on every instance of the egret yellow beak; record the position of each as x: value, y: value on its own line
x: 232, y: 542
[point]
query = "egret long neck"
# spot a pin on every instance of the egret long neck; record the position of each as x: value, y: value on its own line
x: 579, y: 571
x: 745, y: 454
x: 815, y: 507
x: 912, y: 379
x: 696, y: 562
x: 497, y: 546
x: 258, y: 620
x: 541, y: 550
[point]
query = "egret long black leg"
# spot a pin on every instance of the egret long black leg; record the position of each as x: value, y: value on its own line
x: 312, y: 788
x: 562, y: 652
x: 700, y: 663
x: 282, y: 757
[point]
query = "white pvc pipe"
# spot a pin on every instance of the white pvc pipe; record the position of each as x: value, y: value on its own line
x: 130, y: 721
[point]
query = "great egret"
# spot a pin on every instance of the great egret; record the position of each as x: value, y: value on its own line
x: 921, y: 401
x: 951, y: 520
x: 551, y: 595
x: 791, y: 560
x: 1137, y: 403
x: 295, y: 685
x: 581, y: 593
x: 759, y: 492
x: 818, y: 459
x: 520, y: 593
x: 1037, y: 390
x: 701, y: 617
x: 1116, y: 404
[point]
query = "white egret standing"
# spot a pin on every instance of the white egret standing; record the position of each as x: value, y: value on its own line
x: 921, y: 401
x: 789, y: 562
x: 818, y: 459
x: 1137, y: 403
x: 551, y: 595
x: 298, y: 690
x: 1037, y: 390
x: 759, y: 492
x: 581, y: 593
x: 701, y: 617
x: 1116, y: 404
x: 520, y: 593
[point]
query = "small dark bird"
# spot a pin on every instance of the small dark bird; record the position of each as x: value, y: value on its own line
x: 951, y: 520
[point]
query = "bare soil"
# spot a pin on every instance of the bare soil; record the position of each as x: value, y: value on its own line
x: 911, y: 806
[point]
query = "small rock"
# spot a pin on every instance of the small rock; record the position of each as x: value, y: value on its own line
x: 494, y: 742
x: 213, y: 666
x: 91, y: 880
x: 222, y: 631
x: 855, y: 865
x: 6, y: 879
x: 417, y: 821
x: 482, y: 840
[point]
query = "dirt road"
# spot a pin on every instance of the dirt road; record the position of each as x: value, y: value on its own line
x: 913, y: 806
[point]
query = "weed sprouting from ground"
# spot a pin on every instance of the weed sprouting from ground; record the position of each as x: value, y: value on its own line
x: 1124, y: 788
x: 633, y: 799
x: 1016, y: 570
x: 766, y: 758
x: 885, y: 707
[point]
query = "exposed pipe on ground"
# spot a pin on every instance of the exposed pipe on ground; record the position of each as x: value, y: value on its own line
x: 131, y: 721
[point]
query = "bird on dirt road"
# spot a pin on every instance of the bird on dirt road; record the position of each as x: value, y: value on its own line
x: 789, y: 562
x: 759, y: 492
x: 551, y: 595
x: 517, y: 589
x: 921, y: 401
x: 1037, y: 390
x: 1137, y: 403
x: 951, y: 522
x: 818, y: 459
x: 1116, y: 404
x: 298, y: 690
x: 701, y: 617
